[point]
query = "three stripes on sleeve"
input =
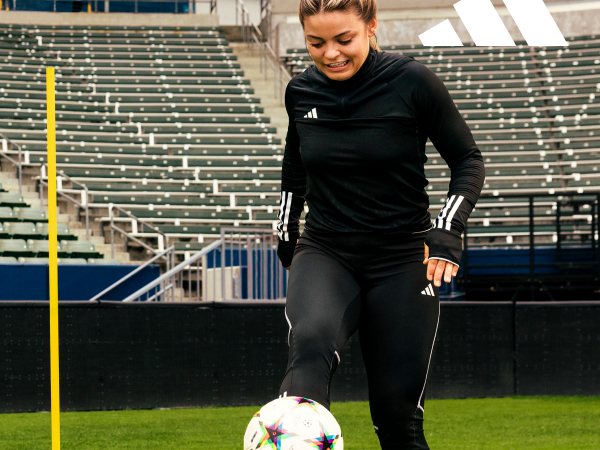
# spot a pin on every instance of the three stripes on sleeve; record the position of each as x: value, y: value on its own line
x: 444, y: 219
x: 285, y: 205
x: 445, y: 237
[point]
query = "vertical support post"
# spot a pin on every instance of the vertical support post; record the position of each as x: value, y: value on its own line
x: 198, y: 280
x: 466, y: 252
x: 214, y: 252
x: 531, y: 250
x: 223, y: 297
x: 275, y: 271
x: 593, y: 207
x: 240, y: 263
x: 53, y: 257
x: 42, y: 176
x: 598, y: 246
x: 112, y: 230
x: 249, y: 256
x: 20, y: 170
x: 558, y: 236
x: 265, y: 271
x: 593, y: 238
x: 173, y: 277
x: 87, y: 215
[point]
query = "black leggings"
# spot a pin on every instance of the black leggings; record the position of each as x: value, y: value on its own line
x: 376, y: 284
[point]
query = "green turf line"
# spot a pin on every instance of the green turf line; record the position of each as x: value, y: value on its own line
x: 519, y: 423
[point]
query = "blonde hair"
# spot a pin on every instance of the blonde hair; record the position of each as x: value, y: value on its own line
x: 366, y: 10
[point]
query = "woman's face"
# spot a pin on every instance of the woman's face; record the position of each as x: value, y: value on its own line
x: 338, y: 37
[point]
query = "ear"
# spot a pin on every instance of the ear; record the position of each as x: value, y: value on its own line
x: 372, y: 26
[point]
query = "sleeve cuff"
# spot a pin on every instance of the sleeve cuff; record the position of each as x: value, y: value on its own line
x: 437, y: 257
x: 445, y: 245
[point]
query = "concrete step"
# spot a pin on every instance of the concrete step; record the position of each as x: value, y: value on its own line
x: 80, y: 233
x: 30, y: 197
x: 263, y: 89
x: 12, y: 185
x: 75, y: 225
x: 123, y: 257
x: 63, y: 218
x: 33, y: 202
x: 96, y: 240
x: 105, y: 248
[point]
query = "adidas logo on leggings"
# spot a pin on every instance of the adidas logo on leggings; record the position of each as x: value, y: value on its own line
x: 428, y: 291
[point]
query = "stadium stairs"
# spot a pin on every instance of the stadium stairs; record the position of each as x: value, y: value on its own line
x: 263, y: 87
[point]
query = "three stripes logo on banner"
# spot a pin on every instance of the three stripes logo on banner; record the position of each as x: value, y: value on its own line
x: 485, y: 26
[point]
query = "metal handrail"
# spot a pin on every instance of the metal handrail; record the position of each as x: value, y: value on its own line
x: 264, y: 275
x: 132, y: 273
x: 85, y: 199
x: 18, y: 163
x: 137, y: 220
x: 171, y: 273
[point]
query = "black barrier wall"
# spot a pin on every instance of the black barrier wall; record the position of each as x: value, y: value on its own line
x: 116, y: 356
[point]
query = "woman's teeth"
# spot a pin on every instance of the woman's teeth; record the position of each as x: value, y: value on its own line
x: 338, y: 64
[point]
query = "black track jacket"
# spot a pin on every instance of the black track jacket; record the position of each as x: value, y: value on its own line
x: 355, y: 151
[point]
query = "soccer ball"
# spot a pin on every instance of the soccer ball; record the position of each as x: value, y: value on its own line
x: 293, y: 423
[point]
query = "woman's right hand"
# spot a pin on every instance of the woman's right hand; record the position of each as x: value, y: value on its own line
x: 285, y: 252
x: 288, y: 268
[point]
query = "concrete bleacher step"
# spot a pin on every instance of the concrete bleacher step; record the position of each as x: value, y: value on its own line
x: 263, y: 89
x: 10, y: 182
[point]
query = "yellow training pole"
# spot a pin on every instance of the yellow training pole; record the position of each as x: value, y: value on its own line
x: 53, y: 264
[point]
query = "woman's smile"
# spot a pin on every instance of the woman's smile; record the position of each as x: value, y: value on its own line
x: 338, y: 66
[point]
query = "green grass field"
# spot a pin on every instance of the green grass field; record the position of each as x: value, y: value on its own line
x: 474, y: 424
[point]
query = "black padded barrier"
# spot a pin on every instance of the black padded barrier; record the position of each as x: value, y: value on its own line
x: 115, y: 355
x: 558, y: 348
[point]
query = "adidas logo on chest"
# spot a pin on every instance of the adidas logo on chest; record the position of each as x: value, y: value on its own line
x: 312, y: 114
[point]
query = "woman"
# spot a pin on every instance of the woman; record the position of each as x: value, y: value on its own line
x: 355, y: 152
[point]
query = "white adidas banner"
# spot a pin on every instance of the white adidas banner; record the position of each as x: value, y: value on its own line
x: 485, y: 26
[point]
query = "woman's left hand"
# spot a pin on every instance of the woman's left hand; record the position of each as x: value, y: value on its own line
x: 438, y: 267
